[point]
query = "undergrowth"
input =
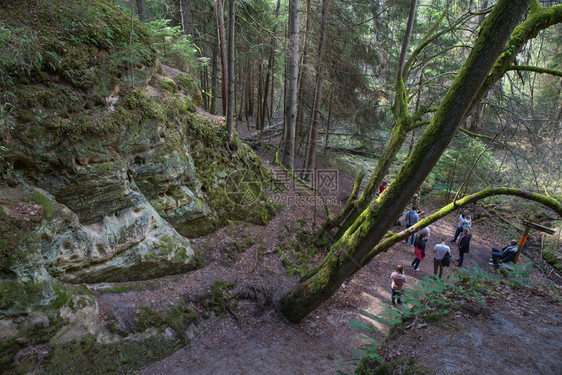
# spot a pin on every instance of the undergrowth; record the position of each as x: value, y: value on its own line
x: 468, y: 291
x: 297, y: 256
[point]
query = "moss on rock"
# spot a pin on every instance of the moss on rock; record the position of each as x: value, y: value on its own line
x: 43, y: 201
x: 167, y: 84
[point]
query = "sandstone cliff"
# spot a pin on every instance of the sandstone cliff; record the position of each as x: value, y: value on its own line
x: 108, y: 168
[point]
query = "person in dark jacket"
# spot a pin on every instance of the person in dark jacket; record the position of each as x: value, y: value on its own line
x: 412, y: 218
x: 464, y: 246
x: 419, y: 249
x: 504, y: 255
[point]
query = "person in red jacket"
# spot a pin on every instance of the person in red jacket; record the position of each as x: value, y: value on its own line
x: 383, y: 186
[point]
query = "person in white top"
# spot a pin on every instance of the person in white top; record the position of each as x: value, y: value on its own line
x: 464, y: 223
x: 424, y: 231
x: 439, y: 252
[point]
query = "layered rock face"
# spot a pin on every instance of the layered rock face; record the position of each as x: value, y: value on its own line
x: 118, y: 156
x: 108, y: 169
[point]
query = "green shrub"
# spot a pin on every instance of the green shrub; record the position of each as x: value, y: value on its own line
x: 174, y: 47
x: 456, y: 162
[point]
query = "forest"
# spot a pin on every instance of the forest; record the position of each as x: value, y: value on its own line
x: 267, y: 186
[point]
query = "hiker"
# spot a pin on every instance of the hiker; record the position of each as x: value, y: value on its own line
x: 416, y: 201
x: 419, y: 249
x: 463, y: 223
x: 439, y: 252
x: 504, y: 255
x: 425, y: 231
x: 398, y: 280
x: 412, y: 217
x: 463, y: 246
x: 383, y: 186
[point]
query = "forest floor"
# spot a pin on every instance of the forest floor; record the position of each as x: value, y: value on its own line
x: 519, y: 334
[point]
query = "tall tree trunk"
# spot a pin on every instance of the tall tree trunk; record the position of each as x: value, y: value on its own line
x: 241, y: 92
x: 246, y: 93
x: 230, y: 59
x: 186, y: 18
x: 539, y: 19
x: 292, y: 76
x: 406, y: 41
x: 351, y: 211
x: 351, y: 252
x: 310, y: 164
x: 265, y: 110
x: 283, y: 141
x: 329, y: 122
x: 214, y: 82
x: 219, y: 11
x: 303, y: 71
x: 205, y: 87
x: 418, y: 96
x: 269, y: 71
x: 259, y: 125
x: 141, y: 9
x: 272, y: 93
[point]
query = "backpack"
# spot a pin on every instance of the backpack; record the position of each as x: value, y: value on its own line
x: 408, y: 218
x: 446, y: 260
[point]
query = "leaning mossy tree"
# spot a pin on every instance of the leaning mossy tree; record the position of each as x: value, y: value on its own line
x: 539, y: 18
x: 355, y: 248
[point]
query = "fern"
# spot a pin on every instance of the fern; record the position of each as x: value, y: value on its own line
x: 433, y: 299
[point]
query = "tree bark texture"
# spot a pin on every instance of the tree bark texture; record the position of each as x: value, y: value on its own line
x: 230, y: 59
x: 259, y: 126
x: 351, y: 252
x: 303, y: 71
x: 141, y: 9
x: 186, y: 18
x: 214, y: 82
x: 292, y: 77
x: 219, y: 11
x: 310, y: 160
x: 406, y: 42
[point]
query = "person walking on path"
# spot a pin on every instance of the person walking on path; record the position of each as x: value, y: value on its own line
x: 412, y: 218
x: 419, y: 249
x: 464, y: 223
x: 464, y: 246
x: 398, y: 280
x: 439, y: 252
x: 425, y: 231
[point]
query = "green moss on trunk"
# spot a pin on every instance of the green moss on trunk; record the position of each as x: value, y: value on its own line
x: 358, y: 245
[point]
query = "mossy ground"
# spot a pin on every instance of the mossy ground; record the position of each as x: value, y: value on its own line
x: 298, y: 256
x: 23, y: 297
x: 87, y: 356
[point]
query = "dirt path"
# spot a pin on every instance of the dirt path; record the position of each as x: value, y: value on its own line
x: 261, y: 340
